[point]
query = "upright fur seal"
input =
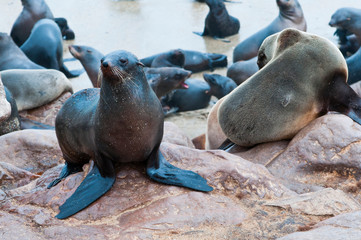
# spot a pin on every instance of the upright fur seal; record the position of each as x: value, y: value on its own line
x: 45, y: 46
x: 120, y: 122
x: 34, y: 10
x: 11, y: 56
x: 195, y: 61
x: 354, y: 67
x: 218, y: 22
x: 290, y: 16
x: 301, y: 77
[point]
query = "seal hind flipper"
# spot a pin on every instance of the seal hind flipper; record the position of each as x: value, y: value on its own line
x: 160, y: 170
x: 92, y: 187
x: 344, y: 99
x: 66, y: 171
x: 71, y: 74
x: 217, y: 60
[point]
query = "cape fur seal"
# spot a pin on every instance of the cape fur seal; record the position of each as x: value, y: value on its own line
x: 301, y: 77
x: 290, y: 16
x: 45, y: 46
x: 120, y: 122
x: 218, y: 22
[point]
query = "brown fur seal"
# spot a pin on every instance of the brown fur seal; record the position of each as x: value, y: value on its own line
x: 120, y: 122
x: 290, y: 16
x: 219, y: 23
x: 11, y: 56
x: 45, y: 47
x: 33, y: 11
x: 302, y: 76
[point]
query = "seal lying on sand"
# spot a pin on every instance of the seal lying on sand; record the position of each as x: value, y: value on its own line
x: 290, y: 16
x: 45, y: 47
x: 120, y: 122
x: 218, y: 22
x: 301, y: 77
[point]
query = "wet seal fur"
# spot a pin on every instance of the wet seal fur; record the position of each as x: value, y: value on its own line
x: 45, y: 46
x: 302, y: 76
x: 11, y: 56
x: 290, y: 16
x: 120, y: 122
x: 33, y: 11
x: 219, y: 23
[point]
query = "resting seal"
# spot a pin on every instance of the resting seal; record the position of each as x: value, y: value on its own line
x: 218, y: 22
x: 240, y: 71
x: 11, y: 56
x: 290, y: 16
x: 301, y: 77
x: 45, y: 46
x: 120, y: 122
x: 33, y: 11
x: 194, y: 61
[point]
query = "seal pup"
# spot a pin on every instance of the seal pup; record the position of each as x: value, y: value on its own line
x: 347, y: 21
x: 33, y: 10
x: 66, y: 32
x: 290, y: 16
x: 195, y: 61
x: 164, y: 80
x: 90, y: 59
x: 220, y: 85
x: 302, y: 76
x: 120, y: 122
x: 11, y: 56
x: 45, y: 47
x: 219, y: 23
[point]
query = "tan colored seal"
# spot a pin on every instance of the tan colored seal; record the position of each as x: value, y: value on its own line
x: 302, y: 76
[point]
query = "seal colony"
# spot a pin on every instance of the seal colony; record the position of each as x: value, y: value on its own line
x: 120, y: 122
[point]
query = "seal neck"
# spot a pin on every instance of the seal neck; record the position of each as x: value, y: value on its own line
x: 293, y: 13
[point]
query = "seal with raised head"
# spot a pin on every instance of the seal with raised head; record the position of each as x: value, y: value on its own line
x: 219, y: 23
x: 220, y: 85
x: 11, y: 56
x: 120, y: 122
x: 290, y: 16
x: 45, y: 47
x: 302, y: 76
x: 33, y: 11
x: 90, y: 59
x: 165, y: 79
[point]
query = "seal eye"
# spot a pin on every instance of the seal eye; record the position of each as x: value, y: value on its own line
x: 123, y: 61
x: 89, y: 51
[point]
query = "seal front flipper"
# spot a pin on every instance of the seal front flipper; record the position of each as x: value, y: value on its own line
x: 227, y: 144
x: 66, y: 171
x: 162, y: 171
x: 204, y: 33
x: 92, y: 187
x: 344, y: 99
x: 71, y: 74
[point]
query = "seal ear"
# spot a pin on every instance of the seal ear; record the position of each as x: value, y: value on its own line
x: 287, y: 38
x: 139, y: 63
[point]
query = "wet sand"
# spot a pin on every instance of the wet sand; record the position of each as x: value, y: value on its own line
x: 146, y: 27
